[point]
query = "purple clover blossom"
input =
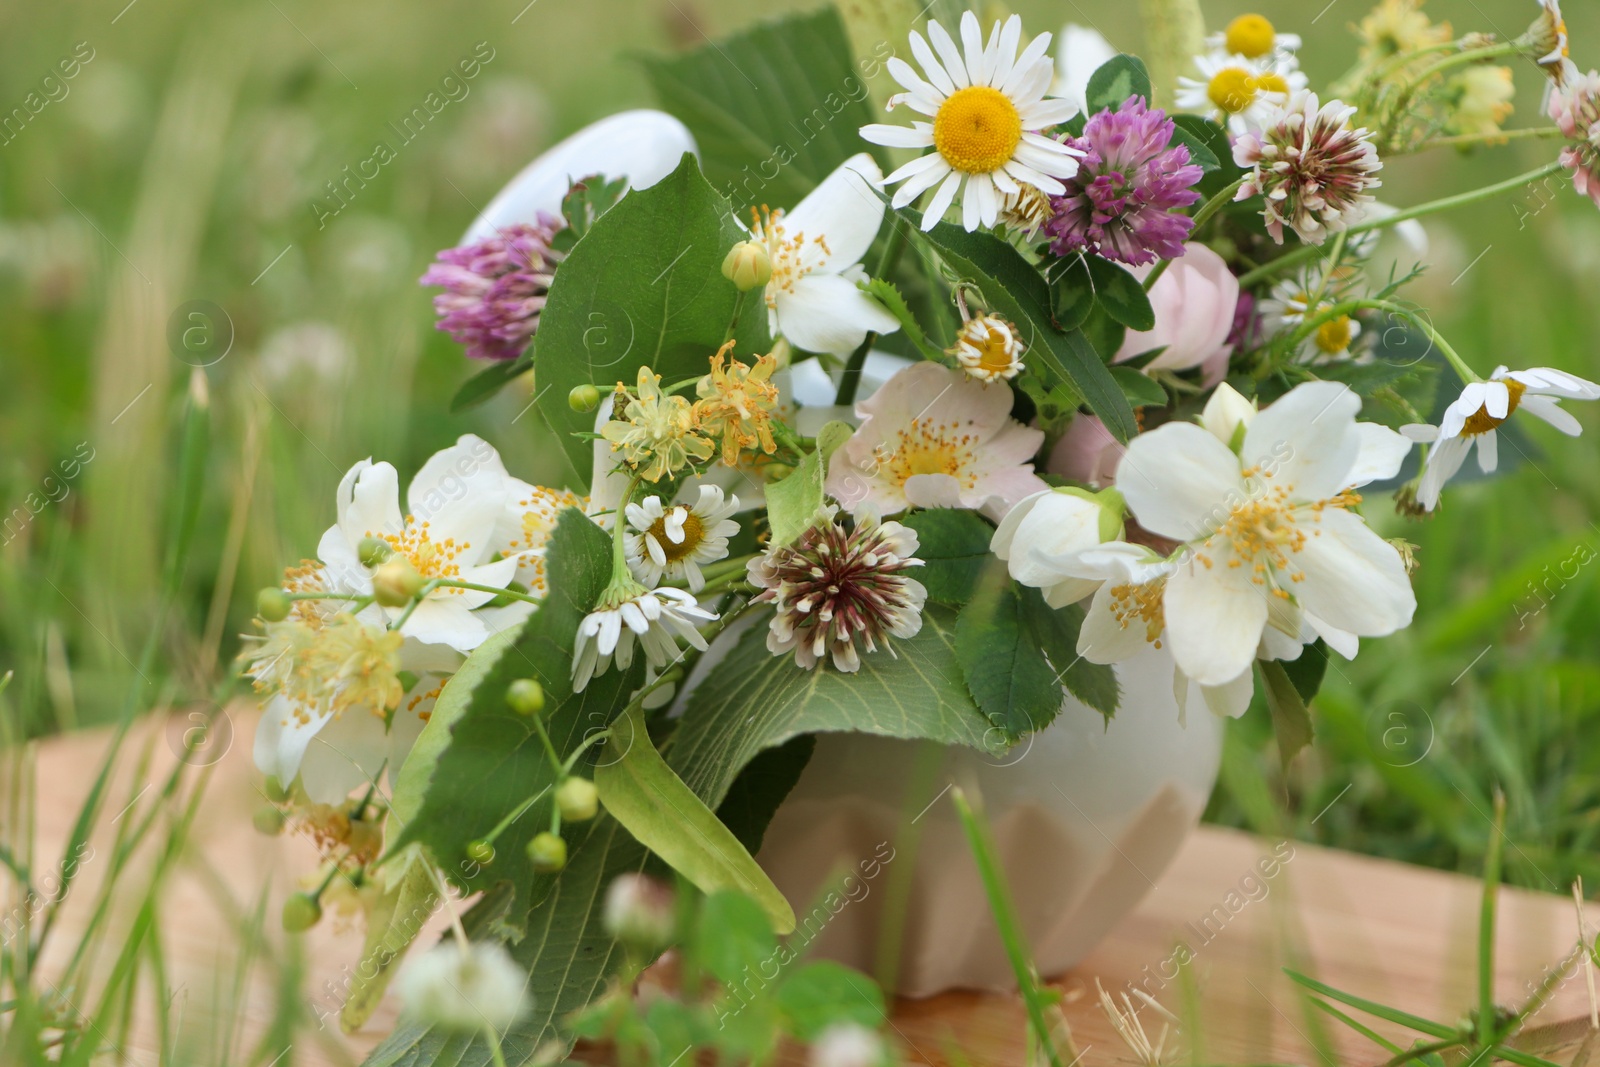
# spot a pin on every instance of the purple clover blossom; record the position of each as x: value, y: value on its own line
x: 1121, y: 203
x: 495, y: 288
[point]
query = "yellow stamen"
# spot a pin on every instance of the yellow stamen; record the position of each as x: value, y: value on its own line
x: 977, y: 129
x: 677, y: 551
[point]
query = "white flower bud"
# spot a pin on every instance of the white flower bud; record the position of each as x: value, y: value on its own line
x: 1049, y: 526
x: 1227, y: 414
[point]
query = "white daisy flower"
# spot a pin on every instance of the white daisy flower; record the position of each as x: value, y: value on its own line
x: 656, y: 618
x: 1242, y: 93
x: 1295, y: 300
x: 1480, y: 409
x: 988, y: 106
x: 672, y: 542
x: 1254, y: 37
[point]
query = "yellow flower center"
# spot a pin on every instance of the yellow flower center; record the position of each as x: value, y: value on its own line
x: 1272, y: 82
x: 1251, y: 36
x: 977, y: 129
x: 1233, y: 89
x: 792, y: 257
x: 1334, y: 335
x: 924, y: 448
x: 432, y: 559
x: 1140, y: 604
x: 678, y: 551
x: 994, y: 351
x: 1265, y: 530
x: 1481, y: 421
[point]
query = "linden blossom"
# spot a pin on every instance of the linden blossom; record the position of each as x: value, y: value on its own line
x: 343, y: 188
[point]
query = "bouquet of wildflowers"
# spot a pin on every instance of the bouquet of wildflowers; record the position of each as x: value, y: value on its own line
x: 1119, y: 391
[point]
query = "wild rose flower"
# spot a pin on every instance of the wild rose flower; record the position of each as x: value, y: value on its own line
x: 1195, y: 303
x: 833, y: 586
x: 1313, y: 167
x: 1121, y: 205
x: 1575, y: 108
x: 495, y: 288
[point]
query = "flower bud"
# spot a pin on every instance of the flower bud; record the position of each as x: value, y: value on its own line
x: 373, y: 551
x: 639, y: 912
x: 396, y: 582
x: 525, y: 696
x: 578, y: 799
x: 275, y: 790
x: 480, y: 852
x: 547, y: 852
x: 301, y: 912
x: 748, y: 265
x: 273, y: 604
x: 1227, y: 415
x: 268, y: 819
x: 583, y: 398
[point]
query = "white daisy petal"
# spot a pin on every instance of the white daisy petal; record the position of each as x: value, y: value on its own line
x: 931, y: 66
x: 1551, y: 411
x: 954, y: 65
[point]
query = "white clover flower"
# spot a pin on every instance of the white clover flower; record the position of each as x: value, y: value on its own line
x: 1474, y: 416
x: 673, y: 542
x: 468, y: 989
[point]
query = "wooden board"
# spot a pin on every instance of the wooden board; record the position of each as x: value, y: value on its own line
x: 1396, y: 934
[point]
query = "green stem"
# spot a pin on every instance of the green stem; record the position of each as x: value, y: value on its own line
x: 1300, y: 255
x: 1486, y: 924
x: 494, y: 1047
x: 733, y: 323
x: 527, y: 598
x: 850, y: 380
x: 515, y: 814
x: 1347, y: 307
x: 1466, y: 140
x: 1403, y: 101
x: 549, y: 746
x: 584, y: 746
x: 422, y: 594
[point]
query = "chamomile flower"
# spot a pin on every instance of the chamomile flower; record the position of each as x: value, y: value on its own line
x: 988, y: 108
x: 1296, y: 300
x: 989, y: 348
x: 655, y: 619
x: 672, y: 541
x: 1478, y: 412
x: 1549, y: 37
x: 1254, y: 37
x: 1240, y: 92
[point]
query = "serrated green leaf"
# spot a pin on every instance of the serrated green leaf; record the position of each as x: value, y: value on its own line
x: 886, y: 294
x: 1120, y: 294
x: 1291, y: 719
x: 643, y: 287
x: 1055, y: 632
x: 953, y: 544
x: 819, y: 995
x: 1017, y: 291
x: 483, y: 386
x: 792, y: 503
x: 1142, y: 391
x: 644, y: 795
x: 774, y: 110
x: 1119, y: 78
x: 1008, y: 675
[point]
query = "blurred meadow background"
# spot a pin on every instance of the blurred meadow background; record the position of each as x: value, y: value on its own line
x: 174, y: 209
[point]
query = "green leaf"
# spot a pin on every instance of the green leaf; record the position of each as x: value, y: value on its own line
x: 482, y: 387
x: 1119, y: 78
x: 1012, y: 287
x: 774, y: 110
x: 1006, y: 672
x: 761, y: 787
x: 392, y: 924
x: 587, y: 199
x: 1291, y: 719
x: 644, y: 795
x: 953, y: 544
x: 1307, y: 672
x: 1204, y: 139
x: 1072, y: 292
x: 1103, y: 334
x: 818, y: 995
x: 643, y: 287
x: 792, y: 503
x: 734, y: 937
x: 886, y: 294
x: 479, y: 760
x: 1141, y: 390
x: 1055, y: 632
x: 1121, y: 294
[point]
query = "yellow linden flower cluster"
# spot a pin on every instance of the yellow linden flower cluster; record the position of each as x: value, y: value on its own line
x: 660, y: 433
